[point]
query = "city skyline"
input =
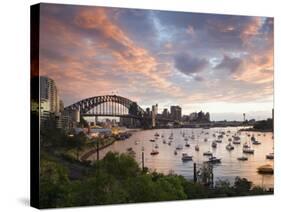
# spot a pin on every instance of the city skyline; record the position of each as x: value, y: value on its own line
x: 215, y: 63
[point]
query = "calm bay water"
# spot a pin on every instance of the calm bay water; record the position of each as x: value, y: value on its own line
x: 229, y: 168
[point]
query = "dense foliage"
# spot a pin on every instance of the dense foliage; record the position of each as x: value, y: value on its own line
x: 118, y: 179
x: 264, y: 125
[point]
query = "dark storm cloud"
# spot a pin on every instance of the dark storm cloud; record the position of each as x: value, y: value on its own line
x: 231, y: 64
x: 189, y: 65
x: 138, y: 24
x: 210, y: 30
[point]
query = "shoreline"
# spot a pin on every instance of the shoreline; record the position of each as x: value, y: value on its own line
x: 256, y: 130
x: 85, y: 156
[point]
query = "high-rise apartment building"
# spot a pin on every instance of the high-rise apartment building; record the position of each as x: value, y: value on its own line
x: 176, y: 113
x: 49, y: 92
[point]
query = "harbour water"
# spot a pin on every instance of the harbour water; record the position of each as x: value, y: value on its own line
x: 166, y: 161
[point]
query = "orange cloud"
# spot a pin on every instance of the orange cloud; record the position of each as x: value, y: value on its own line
x: 251, y: 29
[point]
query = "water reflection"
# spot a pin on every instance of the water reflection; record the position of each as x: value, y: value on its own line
x: 166, y: 161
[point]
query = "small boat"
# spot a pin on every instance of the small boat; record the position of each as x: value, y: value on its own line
x: 152, y: 140
x: 131, y: 152
x: 256, y: 142
x: 265, y: 169
x: 169, y: 143
x: 242, y: 158
x: 236, y: 138
x: 164, y: 141
x: 192, y: 137
x: 230, y: 139
x: 179, y: 147
x: 248, y: 150
x: 220, y: 136
x: 137, y: 142
x: 259, y: 134
x: 205, y: 139
x: 154, y: 152
x: 186, y: 139
x: 187, y: 144
x: 214, y: 159
x: 129, y: 149
x: 246, y: 145
x: 236, y: 142
x: 197, y: 148
x: 156, y: 134
x: 171, y: 137
x: 270, y: 156
x: 162, y: 136
x: 229, y: 147
x: 214, y: 144
x: 214, y: 135
x: 175, y: 152
x: 156, y: 146
x: 208, y: 153
x: 253, y: 138
x: 186, y: 157
x: 218, y: 141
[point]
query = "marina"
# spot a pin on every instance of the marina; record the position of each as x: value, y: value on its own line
x: 229, y: 161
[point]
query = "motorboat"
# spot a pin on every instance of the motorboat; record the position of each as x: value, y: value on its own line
x: 270, y: 156
x: 253, y: 138
x: 229, y: 147
x: 242, y: 158
x: 152, y: 140
x: 236, y: 138
x: 248, y: 150
x: 129, y: 149
x: 218, y: 141
x: 265, y: 169
x: 186, y: 157
x: 236, y: 142
x: 208, y: 153
x: 220, y: 136
x: 214, y: 159
x: 179, y: 147
x: 154, y: 152
x: 187, y: 144
x: 197, y: 148
x: 131, y: 152
x: 246, y: 145
x: 256, y: 142
x: 214, y: 144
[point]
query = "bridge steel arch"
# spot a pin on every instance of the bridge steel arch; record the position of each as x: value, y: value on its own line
x: 85, y: 105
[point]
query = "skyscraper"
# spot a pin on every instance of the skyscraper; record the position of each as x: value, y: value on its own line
x: 49, y: 92
x: 154, y: 113
x: 176, y: 113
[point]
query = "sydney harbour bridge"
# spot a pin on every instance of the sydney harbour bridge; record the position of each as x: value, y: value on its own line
x: 114, y: 106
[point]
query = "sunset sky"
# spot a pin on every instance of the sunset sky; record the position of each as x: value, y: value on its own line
x: 216, y: 63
